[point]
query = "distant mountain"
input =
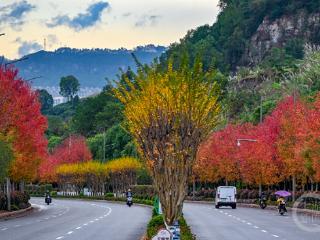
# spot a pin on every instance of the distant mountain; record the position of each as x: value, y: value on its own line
x: 90, y: 66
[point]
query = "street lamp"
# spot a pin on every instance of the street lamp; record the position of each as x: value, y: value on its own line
x: 239, y: 140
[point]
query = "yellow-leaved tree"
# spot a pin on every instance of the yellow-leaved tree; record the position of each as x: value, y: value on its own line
x: 168, y: 114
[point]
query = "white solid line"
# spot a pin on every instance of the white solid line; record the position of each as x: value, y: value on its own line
x: 276, y: 236
x: 59, y: 237
x: 263, y: 231
x: 78, y: 228
x: 70, y: 232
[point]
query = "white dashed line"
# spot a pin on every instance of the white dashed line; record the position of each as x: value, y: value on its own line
x: 78, y: 228
x: 276, y: 236
x: 92, y: 221
x: 249, y: 223
x: 17, y: 226
x: 263, y: 231
x: 59, y: 237
x: 70, y: 232
x: 256, y: 227
x: 3, y: 229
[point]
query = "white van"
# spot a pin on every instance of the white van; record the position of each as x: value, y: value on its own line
x: 226, y: 196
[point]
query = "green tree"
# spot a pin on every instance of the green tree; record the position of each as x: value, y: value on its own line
x: 6, y: 156
x: 97, y: 114
x: 69, y: 87
x: 46, y: 100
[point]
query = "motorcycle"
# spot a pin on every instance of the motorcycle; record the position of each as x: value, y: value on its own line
x: 129, y: 201
x: 282, y: 208
x: 263, y: 202
x: 48, y: 200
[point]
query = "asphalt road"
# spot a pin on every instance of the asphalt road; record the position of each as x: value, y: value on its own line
x: 208, y: 223
x: 77, y: 220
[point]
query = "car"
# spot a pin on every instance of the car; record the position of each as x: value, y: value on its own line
x: 226, y: 196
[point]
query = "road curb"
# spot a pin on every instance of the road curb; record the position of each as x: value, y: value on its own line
x: 15, y: 213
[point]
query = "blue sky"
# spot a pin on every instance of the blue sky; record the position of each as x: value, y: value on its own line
x: 98, y: 23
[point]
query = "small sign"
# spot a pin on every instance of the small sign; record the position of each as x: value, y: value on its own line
x: 163, y: 234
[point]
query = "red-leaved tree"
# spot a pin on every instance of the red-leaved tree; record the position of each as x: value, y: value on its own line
x: 72, y: 150
x: 22, y: 123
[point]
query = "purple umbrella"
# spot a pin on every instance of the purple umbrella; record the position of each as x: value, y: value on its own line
x: 283, y: 193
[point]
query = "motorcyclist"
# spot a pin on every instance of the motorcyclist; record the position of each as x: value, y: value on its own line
x: 47, y: 194
x: 129, y: 193
x: 281, y: 203
x: 47, y: 197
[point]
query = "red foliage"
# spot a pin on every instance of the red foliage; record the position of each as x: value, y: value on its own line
x: 72, y: 150
x: 288, y: 144
x: 23, y: 124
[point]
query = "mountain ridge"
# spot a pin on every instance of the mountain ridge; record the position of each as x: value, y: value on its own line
x: 90, y: 66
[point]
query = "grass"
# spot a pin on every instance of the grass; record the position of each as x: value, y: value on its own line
x: 156, y: 223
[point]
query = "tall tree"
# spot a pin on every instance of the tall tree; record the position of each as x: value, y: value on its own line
x: 21, y: 124
x: 69, y: 87
x: 169, y: 113
x: 46, y: 100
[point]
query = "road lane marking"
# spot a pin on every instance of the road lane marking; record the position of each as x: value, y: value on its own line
x: 256, y: 227
x: 263, y: 231
x: 17, y: 226
x: 78, y: 228
x: 3, y: 229
x: 92, y: 221
x: 249, y: 223
x: 70, y: 232
x: 276, y: 236
x: 60, y: 237
x: 85, y: 224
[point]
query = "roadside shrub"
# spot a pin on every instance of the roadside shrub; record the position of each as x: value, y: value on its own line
x: 53, y: 193
x: 154, y: 225
x: 20, y: 200
x: 3, y: 203
x: 109, y: 195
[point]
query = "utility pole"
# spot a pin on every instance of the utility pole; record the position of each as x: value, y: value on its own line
x: 104, y: 145
x: 8, y: 194
x: 261, y: 118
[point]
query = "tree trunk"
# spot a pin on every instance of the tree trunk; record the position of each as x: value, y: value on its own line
x: 8, y: 194
x: 193, y: 189
x: 22, y: 186
x: 293, y: 188
x: 260, y: 189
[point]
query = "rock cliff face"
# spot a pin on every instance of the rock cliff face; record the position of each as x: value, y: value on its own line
x: 278, y: 32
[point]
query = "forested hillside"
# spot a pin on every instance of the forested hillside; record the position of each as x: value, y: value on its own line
x: 89, y: 66
x: 227, y: 43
